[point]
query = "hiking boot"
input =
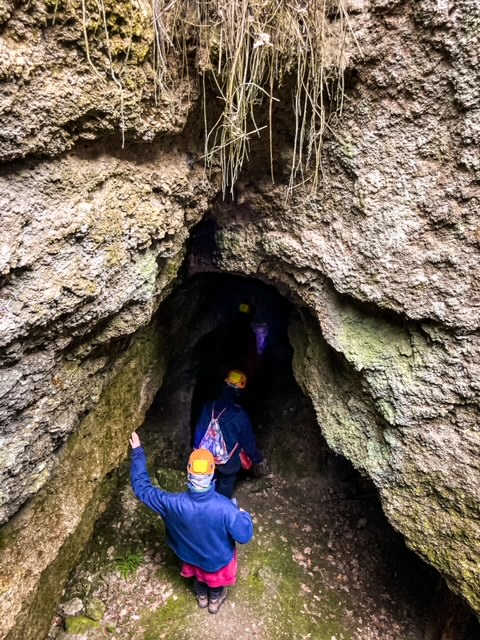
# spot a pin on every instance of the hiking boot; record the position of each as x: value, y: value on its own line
x: 200, y: 590
x: 215, y: 601
x: 202, y: 599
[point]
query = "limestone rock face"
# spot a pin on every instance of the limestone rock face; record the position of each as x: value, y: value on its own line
x: 383, y: 263
x: 62, y: 83
x: 44, y: 541
x: 91, y: 243
x: 89, y: 247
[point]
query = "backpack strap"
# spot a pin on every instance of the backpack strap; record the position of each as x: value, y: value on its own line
x: 218, y: 418
x: 221, y: 412
x: 232, y: 451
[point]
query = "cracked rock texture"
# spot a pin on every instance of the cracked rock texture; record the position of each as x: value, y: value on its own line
x: 89, y: 247
x: 383, y: 263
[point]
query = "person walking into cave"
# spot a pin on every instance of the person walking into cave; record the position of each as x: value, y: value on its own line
x: 240, y: 344
x: 225, y: 429
x: 243, y: 348
x: 202, y: 526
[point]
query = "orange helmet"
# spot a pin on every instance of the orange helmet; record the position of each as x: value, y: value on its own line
x: 236, y: 379
x: 201, y: 462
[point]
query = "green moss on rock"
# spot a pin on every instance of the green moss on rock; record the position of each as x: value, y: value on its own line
x: 80, y: 624
x: 171, y: 616
x: 369, y: 342
x: 95, y: 608
x: 44, y: 542
x: 425, y: 509
x: 171, y: 479
x: 273, y: 587
x: 349, y: 423
x: 122, y: 26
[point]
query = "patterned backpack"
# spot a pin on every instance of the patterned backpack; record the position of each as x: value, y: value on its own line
x: 213, y: 439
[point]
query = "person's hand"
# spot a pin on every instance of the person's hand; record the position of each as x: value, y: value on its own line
x: 135, y: 441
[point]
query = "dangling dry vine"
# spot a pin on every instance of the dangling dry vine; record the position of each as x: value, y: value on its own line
x: 246, y: 49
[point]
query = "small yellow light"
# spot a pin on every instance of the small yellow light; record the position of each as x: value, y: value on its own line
x: 200, y: 466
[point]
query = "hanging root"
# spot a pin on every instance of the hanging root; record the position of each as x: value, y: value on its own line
x: 246, y: 49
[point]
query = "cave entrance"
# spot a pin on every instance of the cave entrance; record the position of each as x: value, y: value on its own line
x: 324, y: 562
x: 211, y: 342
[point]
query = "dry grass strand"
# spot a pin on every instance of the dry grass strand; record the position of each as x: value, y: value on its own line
x: 246, y: 50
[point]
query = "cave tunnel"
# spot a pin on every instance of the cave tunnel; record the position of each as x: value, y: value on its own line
x: 217, y: 341
x: 344, y: 137
x: 325, y: 561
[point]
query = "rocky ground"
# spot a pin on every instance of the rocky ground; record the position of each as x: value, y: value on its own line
x: 322, y: 565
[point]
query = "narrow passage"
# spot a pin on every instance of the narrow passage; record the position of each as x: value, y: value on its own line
x: 324, y: 563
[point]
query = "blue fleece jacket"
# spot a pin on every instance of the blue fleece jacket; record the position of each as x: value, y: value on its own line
x: 235, y: 425
x: 202, y: 528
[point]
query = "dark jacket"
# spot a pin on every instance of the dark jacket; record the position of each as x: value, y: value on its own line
x: 235, y: 426
x: 201, y: 527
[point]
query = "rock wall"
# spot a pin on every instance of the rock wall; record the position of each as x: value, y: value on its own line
x: 62, y: 82
x: 92, y: 239
x: 400, y: 399
x: 90, y: 247
x: 42, y: 543
x: 384, y: 259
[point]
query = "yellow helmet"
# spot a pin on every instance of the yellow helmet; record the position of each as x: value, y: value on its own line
x: 236, y: 378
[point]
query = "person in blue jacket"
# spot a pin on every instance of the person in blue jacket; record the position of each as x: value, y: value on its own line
x: 236, y: 428
x: 202, y: 526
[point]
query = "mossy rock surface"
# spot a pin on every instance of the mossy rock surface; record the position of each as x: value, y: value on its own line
x: 93, y: 452
x: 171, y: 479
x: 80, y: 624
x: 95, y: 608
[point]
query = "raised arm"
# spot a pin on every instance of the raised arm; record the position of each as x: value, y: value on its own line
x: 140, y: 479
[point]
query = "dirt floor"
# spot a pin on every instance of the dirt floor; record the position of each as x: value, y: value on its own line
x: 324, y: 563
